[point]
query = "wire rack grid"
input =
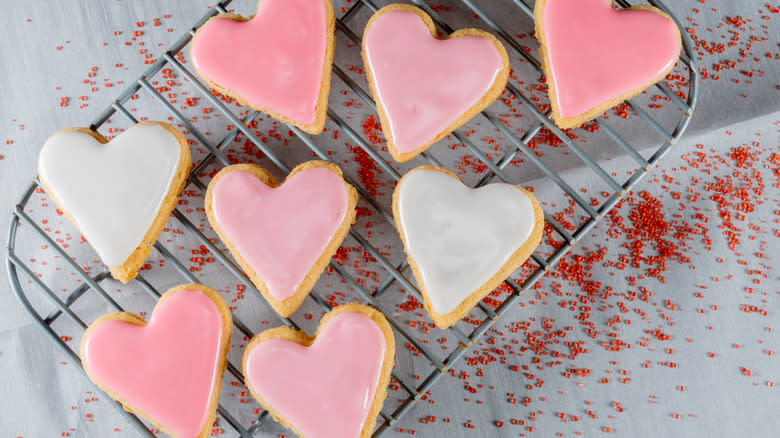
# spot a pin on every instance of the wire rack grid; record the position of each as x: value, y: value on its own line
x: 536, y: 267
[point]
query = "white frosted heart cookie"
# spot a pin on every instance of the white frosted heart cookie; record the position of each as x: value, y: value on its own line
x: 118, y: 193
x: 462, y: 242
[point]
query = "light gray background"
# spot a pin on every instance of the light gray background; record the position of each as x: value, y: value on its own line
x: 44, y: 397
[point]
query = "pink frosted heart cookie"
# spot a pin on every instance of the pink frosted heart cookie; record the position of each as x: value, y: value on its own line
x: 284, y: 235
x: 426, y: 87
x: 118, y: 193
x: 278, y: 61
x: 330, y: 386
x: 169, y: 370
x: 596, y: 57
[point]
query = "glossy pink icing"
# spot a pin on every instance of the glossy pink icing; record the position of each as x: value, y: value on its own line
x: 324, y: 390
x: 425, y: 84
x: 274, y: 61
x: 280, y: 232
x: 166, y: 369
x: 597, y: 53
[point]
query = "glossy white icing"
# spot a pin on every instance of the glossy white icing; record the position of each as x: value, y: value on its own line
x: 458, y: 236
x: 113, y: 191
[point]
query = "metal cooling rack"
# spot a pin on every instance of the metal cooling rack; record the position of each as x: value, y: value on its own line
x: 539, y: 263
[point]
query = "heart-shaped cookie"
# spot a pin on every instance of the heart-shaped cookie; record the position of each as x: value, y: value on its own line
x: 278, y: 61
x: 119, y: 194
x: 284, y: 235
x: 329, y: 386
x: 426, y: 87
x: 168, y: 371
x: 462, y: 242
x: 596, y: 57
